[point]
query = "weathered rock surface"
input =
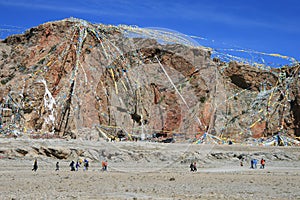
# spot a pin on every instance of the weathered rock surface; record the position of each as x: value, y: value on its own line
x: 72, y: 78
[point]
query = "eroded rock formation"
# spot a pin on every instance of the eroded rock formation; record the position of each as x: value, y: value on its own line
x: 71, y: 77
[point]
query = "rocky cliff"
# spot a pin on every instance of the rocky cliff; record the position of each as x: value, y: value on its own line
x: 73, y: 78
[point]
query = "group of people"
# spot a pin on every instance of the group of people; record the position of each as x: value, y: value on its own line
x: 255, y: 161
x: 73, y: 166
x: 193, y: 166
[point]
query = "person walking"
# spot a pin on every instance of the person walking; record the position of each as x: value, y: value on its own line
x: 252, y: 164
x: 262, y: 163
x: 77, y: 165
x: 85, y: 164
x: 104, y: 165
x: 255, y: 163
x: 193, y: 167
x: 35, y: 165
x: 72, y: 165
x: 57, y: 166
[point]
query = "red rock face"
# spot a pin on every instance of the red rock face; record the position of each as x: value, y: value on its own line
x: 258, y: 130
x: 68, y: 77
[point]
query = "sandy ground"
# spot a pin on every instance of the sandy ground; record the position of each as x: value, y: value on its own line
x: 169, y: 177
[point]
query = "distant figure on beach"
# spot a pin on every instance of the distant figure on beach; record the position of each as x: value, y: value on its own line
x: 193, y: 167
x: 85, y: 164
x: 104, y: 165
x: 241, y: 163
x: 35, y: 165
x: 57, y: 166
x: 262, y: 163
x: 72, y: 165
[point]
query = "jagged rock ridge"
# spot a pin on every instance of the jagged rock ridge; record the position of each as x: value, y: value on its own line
x: 74, y: 78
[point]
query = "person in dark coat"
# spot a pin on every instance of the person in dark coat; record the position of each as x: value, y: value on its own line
x: 85, y: 164
x: 35, y: 165
x: 57, y: 166
x: 72, y: 165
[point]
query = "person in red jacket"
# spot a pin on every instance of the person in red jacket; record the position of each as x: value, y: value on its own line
x: 104, y: 165
x: 262, y: 163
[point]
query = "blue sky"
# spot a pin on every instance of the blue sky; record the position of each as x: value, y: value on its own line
x: 263, y: 25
